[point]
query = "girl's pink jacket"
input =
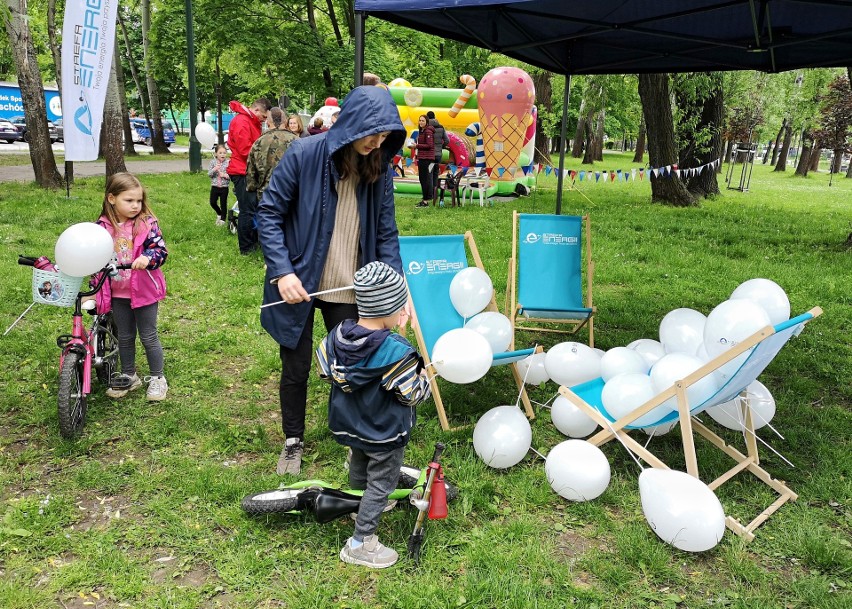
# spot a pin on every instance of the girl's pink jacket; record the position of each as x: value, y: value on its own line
x: 147, y: 286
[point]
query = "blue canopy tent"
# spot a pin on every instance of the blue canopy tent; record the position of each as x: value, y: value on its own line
x: 632, y: 36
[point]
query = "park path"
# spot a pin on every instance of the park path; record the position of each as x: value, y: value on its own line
x: 24, y: 173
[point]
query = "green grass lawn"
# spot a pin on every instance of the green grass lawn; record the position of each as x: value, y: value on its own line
x: 143, y: 510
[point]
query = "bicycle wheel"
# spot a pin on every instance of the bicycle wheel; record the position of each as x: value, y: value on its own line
x: 106, y: 348
x: 70, y: 401
x: 409, y: 477
x: 273, y: 502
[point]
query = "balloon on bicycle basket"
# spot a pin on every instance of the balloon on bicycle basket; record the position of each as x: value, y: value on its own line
x: 83, y: 249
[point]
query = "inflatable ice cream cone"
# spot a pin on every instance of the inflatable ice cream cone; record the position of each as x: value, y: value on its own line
x: 506, y: 97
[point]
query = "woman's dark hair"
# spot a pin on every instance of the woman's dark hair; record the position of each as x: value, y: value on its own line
x: 368, y: 168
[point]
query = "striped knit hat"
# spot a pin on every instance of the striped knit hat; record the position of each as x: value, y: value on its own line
x: 379, y: 290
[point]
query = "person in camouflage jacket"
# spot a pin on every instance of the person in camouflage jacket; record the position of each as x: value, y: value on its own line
x: 267, y: 151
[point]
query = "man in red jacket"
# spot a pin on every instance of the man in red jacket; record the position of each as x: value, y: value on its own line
x: 245, y: 128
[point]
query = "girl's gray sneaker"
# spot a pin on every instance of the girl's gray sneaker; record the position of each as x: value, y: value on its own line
x: 371, y: 553
x: 121, y: 384
x: 157, y: 388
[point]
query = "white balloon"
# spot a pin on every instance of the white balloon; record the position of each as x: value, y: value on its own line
x: 570, y: 420
x: 621, y: 360
x: 660, y: 430
x: 651, y: 350
x: 600, y: 352
x: 502, y: 436
x: 577, y: 470
x: 83, y: 249
x: 532, y: 369
x: 681, y: 509
x: 462, y: 356
x: 625, y: 393
x: 731, y: 322
x: 471, y: 291
x: 682, y: 330
x: 571, y: 363
x: 205, y: 134
x: 730, y: 414
x: 495, y: 327
x: 768, y: 295
x: 677, y: 366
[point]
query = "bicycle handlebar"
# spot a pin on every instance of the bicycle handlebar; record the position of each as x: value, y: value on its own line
x: 26, y: 260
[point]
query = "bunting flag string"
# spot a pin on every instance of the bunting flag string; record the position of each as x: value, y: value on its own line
x: 609, y: 175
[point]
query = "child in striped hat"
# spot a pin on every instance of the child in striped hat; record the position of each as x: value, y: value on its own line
x: 377, y: 379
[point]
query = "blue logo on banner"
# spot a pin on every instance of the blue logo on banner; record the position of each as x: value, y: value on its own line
x: 83, y: 118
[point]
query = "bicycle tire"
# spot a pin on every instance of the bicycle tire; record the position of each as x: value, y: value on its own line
x: 106, y: 347
x: 408, y: 477
x: 272, y: 502
x: 70, y: 401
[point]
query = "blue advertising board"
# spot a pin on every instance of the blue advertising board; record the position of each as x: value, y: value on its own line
x: 11, y: 103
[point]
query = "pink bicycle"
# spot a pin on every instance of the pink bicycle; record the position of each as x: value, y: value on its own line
x: 84, y: 350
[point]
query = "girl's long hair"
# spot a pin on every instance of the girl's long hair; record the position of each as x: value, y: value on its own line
x: 368, y: 168
x: 298, y: 122
x: 116, y: 184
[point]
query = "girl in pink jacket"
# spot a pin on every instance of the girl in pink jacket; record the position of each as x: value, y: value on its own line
x: 134, y: 294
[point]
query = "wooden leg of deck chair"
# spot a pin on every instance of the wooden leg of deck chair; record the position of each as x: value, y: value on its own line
x: 686, y: 431
x: 524, y: 397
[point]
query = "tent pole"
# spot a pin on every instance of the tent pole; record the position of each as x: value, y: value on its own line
x: 562, y: 144
x: 360, y: 17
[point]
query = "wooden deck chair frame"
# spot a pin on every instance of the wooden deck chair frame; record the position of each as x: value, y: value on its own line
x: 685, y: 415
x: 515, y: 309
x: 510, y: 357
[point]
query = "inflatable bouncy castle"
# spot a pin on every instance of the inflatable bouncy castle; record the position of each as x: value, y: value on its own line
x: 492, y: 128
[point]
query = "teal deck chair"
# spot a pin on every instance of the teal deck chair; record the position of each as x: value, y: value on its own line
x: 430, y: 263
x: 743, y: 363
x: 551, y: 260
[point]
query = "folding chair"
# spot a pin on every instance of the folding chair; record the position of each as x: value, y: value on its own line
x: 479, y: 183
x: 449, y: 183
x: 430, y: 263
x: 545, y: 283
x: 742, y: 367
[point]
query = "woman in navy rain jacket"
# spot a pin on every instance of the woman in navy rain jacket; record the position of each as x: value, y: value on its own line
x: 296, y: 225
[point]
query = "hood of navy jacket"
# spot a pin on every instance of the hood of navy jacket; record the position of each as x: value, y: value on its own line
x: 361, y: 356
x: 366, y: 111
x: 296, y: 216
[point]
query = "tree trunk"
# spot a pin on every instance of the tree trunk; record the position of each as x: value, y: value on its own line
x: 712, y: 117
x: 157, y: 139
x: 777, y: 147
x: 326, y: 72
x: 837, y: 160
x: 589, y: 146
x: 54, y: 46
x: 849, y: 170
x: 544, y: 100
x: 579, y: 132
x: 111, y: 134
x: 134, y: 71
x: 599, y: 135
x: 657, y: 110
x: 816, y: 153
x: 781, y: 165
x: 729, y: 151
x: 640, y: 143
x: 129, y: 148
x: 804, y: 161
x: 32, y: 94
x: 332, y: 16
x: 219, y: 125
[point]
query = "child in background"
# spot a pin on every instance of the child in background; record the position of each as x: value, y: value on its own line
x: 377, y: 379
x: 134, y: 294
x: 219, y: 181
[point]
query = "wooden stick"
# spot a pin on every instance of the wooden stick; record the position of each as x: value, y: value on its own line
x: 348, y: 287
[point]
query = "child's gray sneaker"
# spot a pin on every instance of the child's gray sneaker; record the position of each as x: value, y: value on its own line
x: 157, y: 388
x: 121, y: 384
x: 371, y: 553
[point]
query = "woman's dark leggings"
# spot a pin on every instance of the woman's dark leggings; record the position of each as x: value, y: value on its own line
x: 296, y: 366
x: 425, y: 175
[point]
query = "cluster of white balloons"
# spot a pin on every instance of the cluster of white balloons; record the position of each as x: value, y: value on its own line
x: 83, y: 249
x: 464, y: 355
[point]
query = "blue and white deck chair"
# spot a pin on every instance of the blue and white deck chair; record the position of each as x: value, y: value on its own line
x: 546, y: 273
x: 741, y: 366
x: 430, y: 263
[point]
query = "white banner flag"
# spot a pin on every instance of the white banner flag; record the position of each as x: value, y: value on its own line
x: 88, y: 38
